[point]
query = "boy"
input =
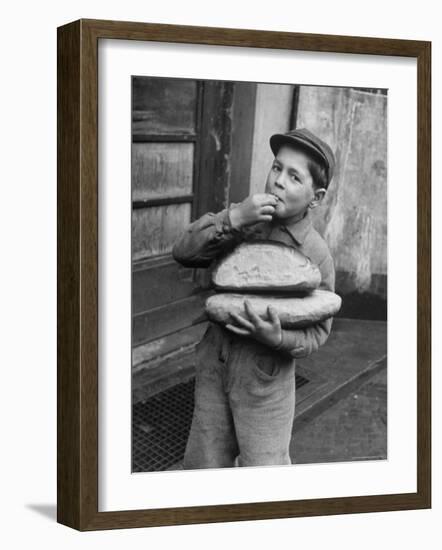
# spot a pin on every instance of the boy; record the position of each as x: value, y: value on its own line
x: 245, y: 371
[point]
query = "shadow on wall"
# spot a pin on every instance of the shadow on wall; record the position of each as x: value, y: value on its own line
x: 362, y: 303
x: 363, y: 306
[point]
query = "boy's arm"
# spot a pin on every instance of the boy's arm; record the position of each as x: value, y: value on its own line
x: 212, y: 234
x: 205, y: 239
x: 303, y: 342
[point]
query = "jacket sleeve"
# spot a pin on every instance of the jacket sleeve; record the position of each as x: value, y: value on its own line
x: 303, y: 342
x: 205, y: 239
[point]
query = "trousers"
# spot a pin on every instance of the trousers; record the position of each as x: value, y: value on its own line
x: 244, y: 403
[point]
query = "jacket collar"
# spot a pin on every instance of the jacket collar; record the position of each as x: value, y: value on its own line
x: 298, y: 230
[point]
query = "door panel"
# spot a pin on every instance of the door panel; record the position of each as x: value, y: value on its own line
x: 164, y: 106
x: 156, y: 228
x: 180, y: 170
x: 162, y: 170
x: 150, y: 291
x: 166, y: 320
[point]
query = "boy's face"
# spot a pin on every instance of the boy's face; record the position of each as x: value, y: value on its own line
x: 291, y: 181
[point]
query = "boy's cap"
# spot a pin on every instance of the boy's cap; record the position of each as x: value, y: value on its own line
x: 305, y: 138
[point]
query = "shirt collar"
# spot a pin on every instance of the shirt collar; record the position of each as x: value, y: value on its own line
x: 298, y: 230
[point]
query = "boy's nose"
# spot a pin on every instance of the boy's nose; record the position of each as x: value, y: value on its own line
x: 279, y: 183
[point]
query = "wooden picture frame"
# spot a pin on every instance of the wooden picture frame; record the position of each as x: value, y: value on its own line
x: 78, y: 274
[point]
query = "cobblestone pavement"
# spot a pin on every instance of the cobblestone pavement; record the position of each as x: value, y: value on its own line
x: 355, y: 428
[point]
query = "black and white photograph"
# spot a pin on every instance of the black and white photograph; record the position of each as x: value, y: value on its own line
x: 259, y: 274
x: 220, y: 243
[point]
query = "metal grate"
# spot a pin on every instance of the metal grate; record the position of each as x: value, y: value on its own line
x: 161, y: 425
x: 160, y: 428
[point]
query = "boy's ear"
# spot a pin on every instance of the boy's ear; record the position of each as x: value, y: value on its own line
x: 319, y: 195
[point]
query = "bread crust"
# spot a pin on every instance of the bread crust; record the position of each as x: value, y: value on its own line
x: 293, y: 311
x: 263, y: 266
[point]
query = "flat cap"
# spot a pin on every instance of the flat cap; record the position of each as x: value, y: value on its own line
x: 301, y: 137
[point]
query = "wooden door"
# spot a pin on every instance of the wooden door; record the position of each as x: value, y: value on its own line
x: 180, y: 145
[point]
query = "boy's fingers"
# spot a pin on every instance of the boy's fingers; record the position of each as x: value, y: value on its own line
x: 239, y: 319
x: 268, y: 209
x: 273, y: 315
x: 252, y: 313
x: 266, y: 198
x: 270, y: 197
x: 237, y: 330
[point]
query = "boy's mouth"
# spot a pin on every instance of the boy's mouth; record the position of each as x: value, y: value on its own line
x: 276, y: 196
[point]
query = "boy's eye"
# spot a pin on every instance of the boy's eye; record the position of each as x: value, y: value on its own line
x: 276, y: 168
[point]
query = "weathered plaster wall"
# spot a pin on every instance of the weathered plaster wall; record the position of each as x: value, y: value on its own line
x: 272, y: 115
x: 353, y: 216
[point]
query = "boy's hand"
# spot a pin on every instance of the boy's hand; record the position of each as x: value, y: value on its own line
x: 269, y: 331
x: 256, y: 208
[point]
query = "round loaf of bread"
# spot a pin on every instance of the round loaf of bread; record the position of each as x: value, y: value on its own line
x: 264, y: 266
x: 293, y: 312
